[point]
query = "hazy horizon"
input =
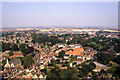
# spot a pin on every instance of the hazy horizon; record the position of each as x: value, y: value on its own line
x: 78, y: 14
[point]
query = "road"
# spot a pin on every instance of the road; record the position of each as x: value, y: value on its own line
x: 18, y: 73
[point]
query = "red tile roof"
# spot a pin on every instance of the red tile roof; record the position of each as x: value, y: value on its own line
x: 69, y: 52
x: 17, y: 55
x: 91, y: 53
x: 88, y: 48
x: 78, y: 50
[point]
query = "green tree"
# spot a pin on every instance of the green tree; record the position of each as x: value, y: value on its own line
x: 117, y: 59
x: 85, y: 69
x: 22, y: 46
x: 10, y: 53
x: 64, y: 74
x: 81, y: 74
x: 74, y: 77
x: 68, y: 74
x: 73, y: 58
x: 102, y: 71
x: 53, y: 62
x: 44, y: 70
x: 61, y: 54
x: 103, y: 58
x: 4, y: 62
x: 52, y: 76
x: 92, y: 64
x: 5, y: 46
x: 112, y: 70
x: 117, y: 71
x: 26, y: 50
x: 117, y: 48
x: 26, y: 41
x: 28, y: 60
x: 15, y: 47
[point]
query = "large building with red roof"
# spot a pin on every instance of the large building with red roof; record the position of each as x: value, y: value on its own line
x: 81, y: 53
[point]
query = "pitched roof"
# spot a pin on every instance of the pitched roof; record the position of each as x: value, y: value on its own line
x: 88, y: 48
x: 57, y: 51
x: 17, y: 55
x: 68, y: 52
x: 43, y: 74
x: 78, y: 49
x: 16, y: 61
x: 6, y: 74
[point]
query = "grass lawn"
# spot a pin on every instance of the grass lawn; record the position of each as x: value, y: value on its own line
x: 59, y: 65
x: 113, y: 63
x: 17, y: 52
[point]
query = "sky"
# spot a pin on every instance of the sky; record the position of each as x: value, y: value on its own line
x: 78, y: 14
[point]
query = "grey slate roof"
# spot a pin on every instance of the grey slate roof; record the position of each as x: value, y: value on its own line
x: 15, y: 61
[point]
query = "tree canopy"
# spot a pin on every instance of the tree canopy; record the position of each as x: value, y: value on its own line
x: 61, y: 54
x: 15, y: 47
x: 28, y: 60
